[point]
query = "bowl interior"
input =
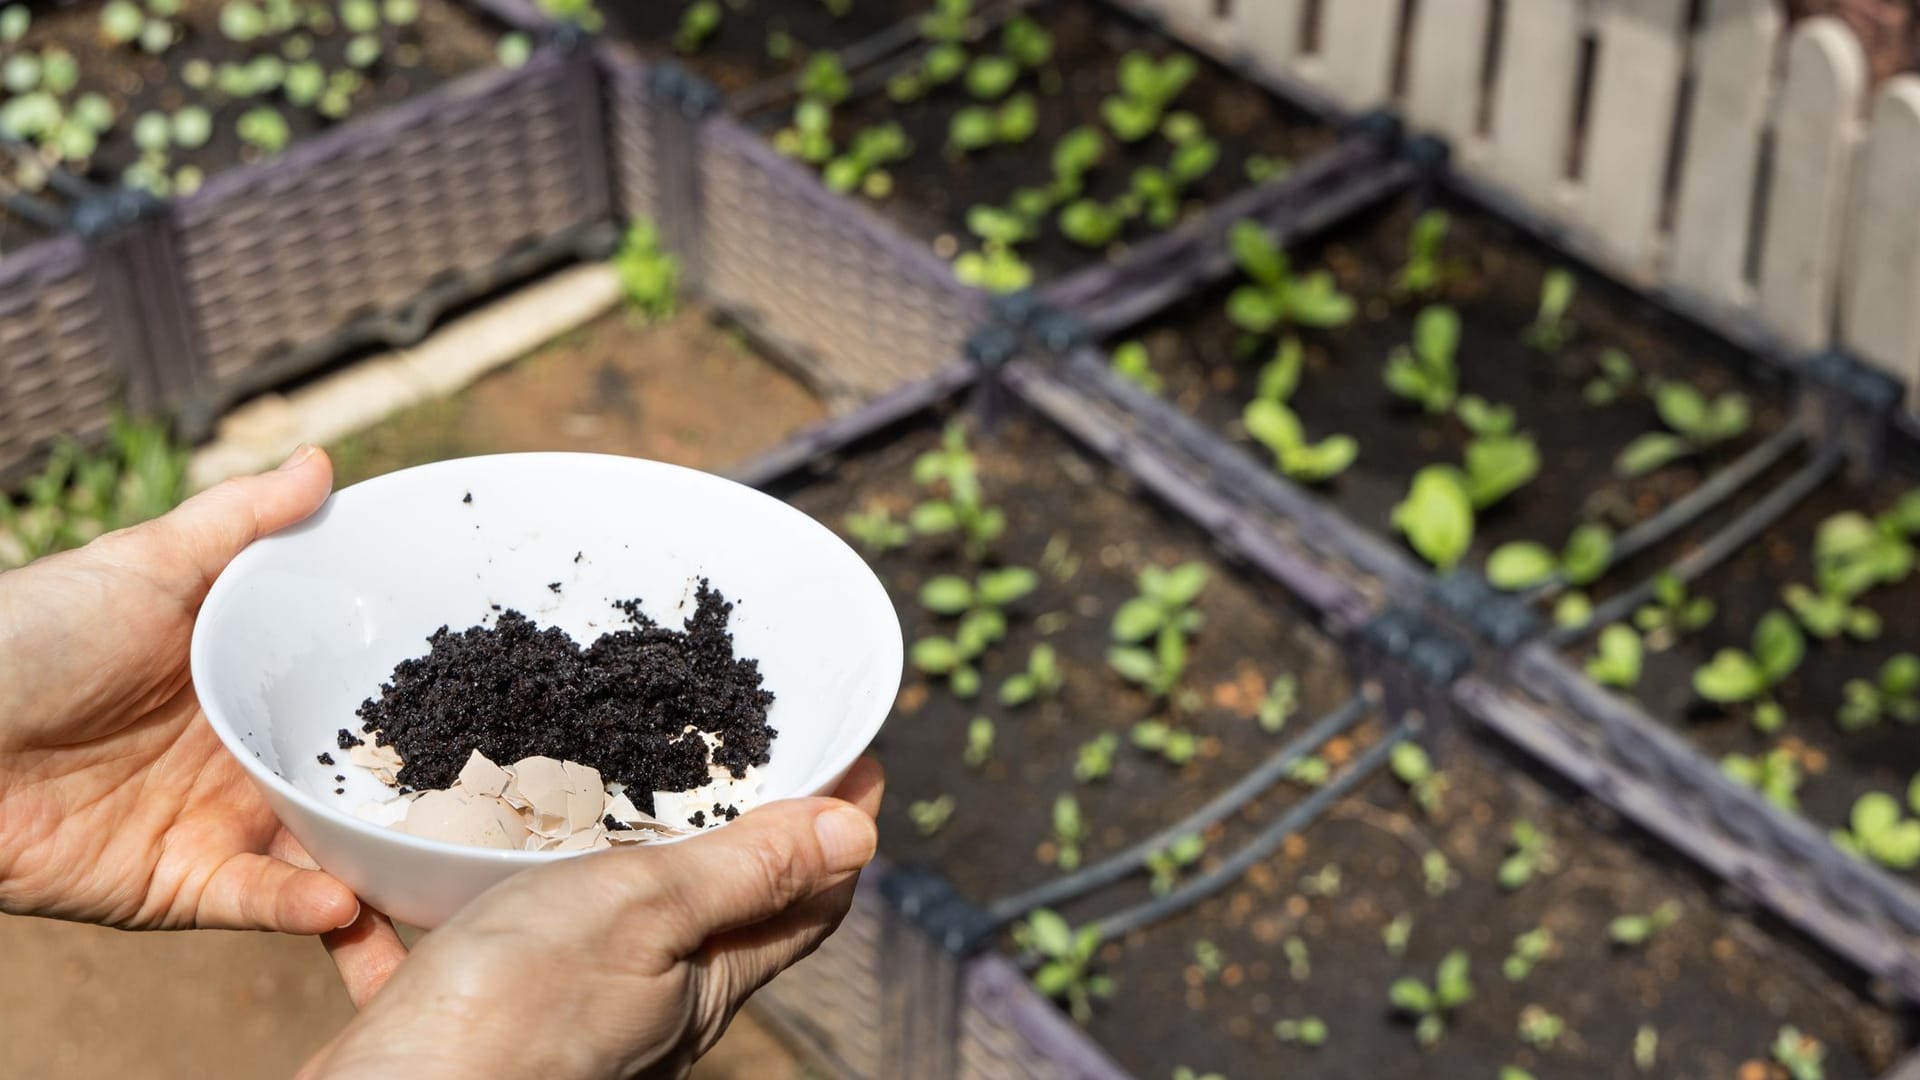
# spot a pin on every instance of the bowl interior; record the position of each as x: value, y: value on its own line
x: 307, y: 624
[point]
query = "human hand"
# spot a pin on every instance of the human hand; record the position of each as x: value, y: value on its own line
x: 616, y: 964
x: 118, y: 804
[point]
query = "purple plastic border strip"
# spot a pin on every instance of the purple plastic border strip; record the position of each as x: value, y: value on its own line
x: 1001, y: 995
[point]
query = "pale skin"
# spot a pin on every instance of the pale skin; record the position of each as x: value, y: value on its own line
x: 119, y: 806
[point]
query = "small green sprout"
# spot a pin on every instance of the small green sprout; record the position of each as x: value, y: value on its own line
x: 1437, y: 516
x: 1090, y: 223
x: 1425, y: 373
x: 1828, y: 616
x: 996, y: 226
x: 1076, y: 154
x: 1633, y: 931
x: 952, y: 472
x: 1311, y: 770
x: 1672, y: 612
x: 1853, y: 554
x: 947, y: 22
x: 990, y: 78
x: 1067, y: 957
x: 1263, y: 169
x: 15, y: 19
x: 1176, y: 746
x: 1280, y: 703
x: 877, y: 531
x: 1270, y: 421
x: 1412, y: 767
x: 824, y: 79
x: 780, y: 46
x: 1147, y: 87
x: 400, y: 12
x: 649, y: 274
x: 306, y: 81
x: 1646, y: 1047
x: 1496, y: 466
x: 513, y: 50
x: 140, y: 474
x: 1069, y: 832
x: 1027, y: 42
x: 1208, y: 958
x: 1734, y: 677
x: 1528, y: 950
x: 1165, y: 865
x: 1162, y: 612
x: 698, y: 23
x: 1539, y: 1028
x: 1524, y: 564
x: 997, y: 268
x: 1429, y: 1006
x: 979, y: 742
x: 1275, y: 297
x: 1697, y: 425
x: 1893, y: 693
x: 1299, y: 961
x: 121, y: 21
x: 1880, y: 832
x: 1307, y: 1031
x: 1094, y: 760
x: 1551, y: 330
x: 1531, y: 856
x: 1437, y: 874
x: 931, y: 815
x: 264, y: 129
x: 1573, y: 610
x: 1800, y: 1054
x: 978, y: 604
x: 978, y: 127
x: 863, y: 165
x: 242, y: 21
x: 1618, y: 657
x: 191, y: 126
x: 1042, y: 679
x: 1776, y: 775
x: 1426, y: 269
x: 1396, y: 934
x: 1132, y: 362
x: 1325, y: 882
x: 1617, y: 377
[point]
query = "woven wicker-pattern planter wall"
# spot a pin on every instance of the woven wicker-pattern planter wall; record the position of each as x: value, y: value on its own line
x: 357, y: 223
x: 632, y: 139
x: 56, y: 372
x: 832, y: 999
x: 1009, y: 1032
x: 863, y: 306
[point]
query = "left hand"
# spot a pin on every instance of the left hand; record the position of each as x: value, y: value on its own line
x: 118, y: 804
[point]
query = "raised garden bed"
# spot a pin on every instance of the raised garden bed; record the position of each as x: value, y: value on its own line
x: 738, y: 44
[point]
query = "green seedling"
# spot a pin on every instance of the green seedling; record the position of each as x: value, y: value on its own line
x: 1299, y: 961
x: 649, y: 278
x: 1437, y: 516
x: 1132, y: 362
x: 1164, y: 614
x: 1496, y: 466
x: 698, y: 23
x: 1528, y: 950
x: 957, y: 506
x: 1539, y: 1028
x: 1065, y: 973
x: 1069, y: 832
x: 1734, y: 677
x: 1188, y: 1072
x: 931, y: 815
x: 1076, y: 154
x: 824, y: 79
x: 1176, y: 746
x: 1800, y: 1054
x: 1880, y: 832
x: 1027, y: 42
x: 1279, y: 704
x: 863, y: 165
x: 979, y: 606
x: 780, y: 46
x: 1893, y: 693
x: 1412, y: 767
x: 1322, y: 882
x: 1633, y: 931
x: 1041, y: 679
x: 1147, y: 87
x: 979, y: 742
x: 990, y: 78
x: 242, y: 21
x: 996, y: 226
x: 1581, y: 562
x: 1270, y: 421
x: 810, y: 137
x: 1094, y: 760
x: 942, y: 65
x: 1311, y: 771
x: 1530, y: 855
x: 264, y: 129
x: 1166, y: 864
x: 1397, y: 933
x: 1618, y: 657
x: 395, y: 12
x: 996, y: 268
x: 305, y: 83
x: 1437, y: 875
x: 1616, y: 378
x: 1090, y: 223
x: 1697, y: 424
x: 1307, y: 1031
x: 140, y: 474
x: 121, y: 21
x: 1208, y: 958
x: 1853, y: 554
x: 1551, y: 330
x: 877, y: 531
x: 1775, y: 775
x: 978, y: 127
x: 947, y: 22
x: 1646, y: 1047
x: 1426, y: 270
x: 1429, y: 1006
x: 1672, y: 612
x: 1828, y: 616
x: 1425, y: 373
x: 15, y: 20
x: 1263, y: 169
x: 1274, y: 297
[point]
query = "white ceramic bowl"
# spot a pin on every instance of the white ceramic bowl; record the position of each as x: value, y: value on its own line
x: 307, y: 624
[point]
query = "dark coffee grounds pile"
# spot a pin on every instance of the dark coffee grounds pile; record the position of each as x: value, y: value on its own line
x: 621, y: 705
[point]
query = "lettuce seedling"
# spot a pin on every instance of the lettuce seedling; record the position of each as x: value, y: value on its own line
x: 1270, y: 421
x: 1527, y: 951
x: 1162, y: 612
x: 1279, y: 704
x: 1734, y: 677
x: 824, y: 79
x: 960, y: 507
x: 1853, y: 554
x: 1539, y: 1028
x: 1261, y: 169
x: 15, y: 20
x: 1437, y: 516
x: 1697, y: 424
x: 1176, y: 746
x: 1164, y: 866
x: 1672, y: 611
x: 1430, y: 1005
x: 1426, y: 374
x: 1426, y: 270
x: 1275, y: 297
x: 876, y: 531
x: 978, y: 604
x: 1775, y: 775
x: 1412, y: 767
x: 1094, y: 760
x: 947, y: 22
x: 990, y: 78
x: 1076, y: 154
x: 997, y: 268
x: 1496, y: 466
x: 1800, y: 1054
x: 1307, y: 1031
x: 1147, y: 87
x: 1880, y: 832
x: 1893, y: 693
x: 1069, y: 832
x: 1132, y: 362
x: 1041, y: 679
x: 978, y: 127
x: 1616, y: 378
x: 698, y: 23
x: 1551, y: 330
x: 1827, y: 616
x: 979, y: 742
x: 1067, y: 957
x: 810, y: 137
x: 1618, y: 657
x: 1531, y: 855
x: 1396, y: 934
x: 1091, y: 224
x: 863, y: 165
x: 1633, y: 931
x: 264, y: 129
x: 513, y: 50
x: 1027, y: 42
x: 650, y: 276
x: 242, y: 21
x: 929, y: 816
x: 1523, y: 564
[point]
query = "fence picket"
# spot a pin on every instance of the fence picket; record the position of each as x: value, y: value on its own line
x: 1447, y: 53
x: 1733, y: 79
x: 1357, y: 39
x: 1533, y: 98
x: 1635, y: 89
x: 1880, y: 303
x: 1269, y: 30
x: 1813, y: 144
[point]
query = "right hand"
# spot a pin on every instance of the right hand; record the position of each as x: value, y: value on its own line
x: 617, y: 964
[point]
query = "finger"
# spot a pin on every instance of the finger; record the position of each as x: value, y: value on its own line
x: 196, y: 540
x: 863, y: 786
x: 755, y: 868
x: 742, y: 961
x: 258, y: 892
x: 366, y: 954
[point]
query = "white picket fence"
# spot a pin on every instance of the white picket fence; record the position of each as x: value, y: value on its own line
x: 1735, y: 164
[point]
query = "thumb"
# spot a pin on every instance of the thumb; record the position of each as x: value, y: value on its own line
x: 756, y: 868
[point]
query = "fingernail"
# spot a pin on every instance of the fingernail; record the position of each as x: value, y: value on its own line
x: 350, y: 922
x: 847, y: 838
x: 299, y: 456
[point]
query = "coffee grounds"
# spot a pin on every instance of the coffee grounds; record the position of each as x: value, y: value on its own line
x: 623, y: 705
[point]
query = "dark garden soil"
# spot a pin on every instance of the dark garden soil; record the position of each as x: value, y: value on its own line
x: 1839, y: 766
x: 1715, y: 988
x: 747, y: 48
x: 934, y: 189
x: 1210, y: 369
x: 1088, y: 542
x: 446, y: 41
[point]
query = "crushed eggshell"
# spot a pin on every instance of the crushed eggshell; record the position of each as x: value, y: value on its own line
x: 382, y: 761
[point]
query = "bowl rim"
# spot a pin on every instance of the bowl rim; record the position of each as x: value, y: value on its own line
x: 853, y: 737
